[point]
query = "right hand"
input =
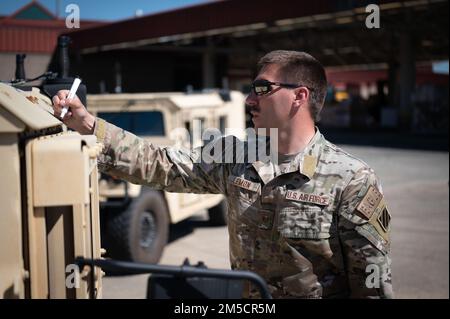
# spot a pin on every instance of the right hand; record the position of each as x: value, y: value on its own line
x: 77, y: 117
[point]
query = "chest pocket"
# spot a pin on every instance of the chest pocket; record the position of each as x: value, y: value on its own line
x: 305, y: 220
x: 245, y: 204
x: 243, y: 189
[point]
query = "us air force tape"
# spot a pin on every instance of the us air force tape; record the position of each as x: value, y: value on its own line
x: 373, y: 208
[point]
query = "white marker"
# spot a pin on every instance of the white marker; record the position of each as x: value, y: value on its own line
x: 73, y: 90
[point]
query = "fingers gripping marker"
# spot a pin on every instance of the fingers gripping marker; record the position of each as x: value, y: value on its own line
x: 73, y: 90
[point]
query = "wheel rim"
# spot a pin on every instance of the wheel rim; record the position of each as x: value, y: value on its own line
x: 148, y: 230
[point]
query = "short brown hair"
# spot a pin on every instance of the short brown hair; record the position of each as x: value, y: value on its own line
x: 301, y: 68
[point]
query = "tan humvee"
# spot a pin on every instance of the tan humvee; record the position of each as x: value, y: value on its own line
x: 135, y: 219
x: 49, y: 198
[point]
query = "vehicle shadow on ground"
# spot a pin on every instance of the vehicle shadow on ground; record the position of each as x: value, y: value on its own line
x: 176, y: 231
x: 187, y: 227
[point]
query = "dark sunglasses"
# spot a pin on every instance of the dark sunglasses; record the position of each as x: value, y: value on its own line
x: 261, y: 87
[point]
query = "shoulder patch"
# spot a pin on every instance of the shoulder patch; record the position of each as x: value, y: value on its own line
x: 377, y: 230
x: 381, y: 221
x: 384, y: 219
x: 373, y: 208
x: 370, y: 202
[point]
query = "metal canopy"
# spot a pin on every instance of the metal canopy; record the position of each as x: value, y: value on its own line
x: 332, y: 32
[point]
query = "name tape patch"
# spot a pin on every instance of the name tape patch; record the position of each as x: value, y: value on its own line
x: 308, y: 198
x: 243, y: 183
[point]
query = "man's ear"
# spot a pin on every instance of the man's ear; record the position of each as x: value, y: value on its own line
x: 301, y: 96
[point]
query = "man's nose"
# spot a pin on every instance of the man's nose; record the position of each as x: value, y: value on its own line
x: 252, y: 99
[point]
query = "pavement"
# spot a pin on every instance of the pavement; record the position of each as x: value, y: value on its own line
x: 415, y: 183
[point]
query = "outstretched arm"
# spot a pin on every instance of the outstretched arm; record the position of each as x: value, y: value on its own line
x: 129, y: 157
x: 132, y: 158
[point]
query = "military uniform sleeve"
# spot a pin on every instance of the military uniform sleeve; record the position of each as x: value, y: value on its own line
x: 136, y: 160
x: 364, y: 230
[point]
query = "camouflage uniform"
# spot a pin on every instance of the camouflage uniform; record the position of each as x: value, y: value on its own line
x: 318, y: 229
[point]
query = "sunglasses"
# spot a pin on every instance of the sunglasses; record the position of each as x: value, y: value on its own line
x: 262, y: 87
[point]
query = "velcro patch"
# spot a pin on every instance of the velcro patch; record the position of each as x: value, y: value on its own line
x: 308, y: 198
x: 384, y: 219
x: 381, y: 220
x: 100, y: 130
x: 246, y: 184
x: 370, y: 202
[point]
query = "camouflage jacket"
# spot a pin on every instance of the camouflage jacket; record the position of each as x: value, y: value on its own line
x: 318, y: 229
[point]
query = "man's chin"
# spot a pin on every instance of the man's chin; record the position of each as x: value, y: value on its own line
x: 256, y: 124
x: 260, y: 130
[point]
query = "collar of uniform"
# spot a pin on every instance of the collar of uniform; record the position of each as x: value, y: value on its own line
x: 309, y: 157
x: 305, y: 161
x: 265, y: 168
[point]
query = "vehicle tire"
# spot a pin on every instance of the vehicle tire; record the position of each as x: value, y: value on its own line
x: 139, y: 233
x: 218, y: 214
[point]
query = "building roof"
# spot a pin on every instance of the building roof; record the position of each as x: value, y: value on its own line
x: 213, y: 17
x: 33, y: 11
x: 33, y: 29
x: 332, y: 31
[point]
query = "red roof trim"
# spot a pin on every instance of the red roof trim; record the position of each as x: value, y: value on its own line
x: 58, y: 24
x: 37, y: 36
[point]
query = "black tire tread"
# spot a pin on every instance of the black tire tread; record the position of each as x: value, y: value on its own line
x: 119, y: 230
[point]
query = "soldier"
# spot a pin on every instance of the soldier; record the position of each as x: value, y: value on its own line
x: 313, y: 223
